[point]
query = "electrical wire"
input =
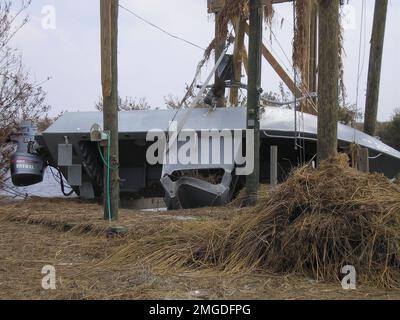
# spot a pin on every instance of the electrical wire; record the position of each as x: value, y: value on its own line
x: 298, y: 135
x: 196, y: 100
x: 360, y: 66
x: 161, y: 29
x: 57, y: 178
x: 60, y: 180
x: 285, y: 66
x: 359, y: 70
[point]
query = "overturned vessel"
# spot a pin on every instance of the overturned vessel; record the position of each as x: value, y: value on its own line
x: 190, y: 179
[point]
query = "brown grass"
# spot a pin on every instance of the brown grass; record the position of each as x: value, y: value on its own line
x: 312, y: 225
x: 32, y: 235
x: 319, y: 221
x: 292, y: 245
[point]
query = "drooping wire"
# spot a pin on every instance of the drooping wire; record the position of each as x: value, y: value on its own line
x: 161, y: 29
x: 199, y: 94
x: 298, y: 135
x: 360, y: 66
x: 285, y: 66
x: 60, y: 180
x: 57, y: 177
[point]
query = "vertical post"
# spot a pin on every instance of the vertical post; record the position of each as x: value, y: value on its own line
x: 307, y: 43
x: 313, y: 49
x: 109, y: 73
x: 363, y: 160
x: 254, y: 91
x: 375, y: 66
x: 306, y: 105
x: 328, y: 78
x: 220, y: 41
x: 239, y: 26
x: 245, y: 60
x: 274, y: 166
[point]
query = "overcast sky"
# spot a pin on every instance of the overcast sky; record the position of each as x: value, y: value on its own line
x: 153, y: 65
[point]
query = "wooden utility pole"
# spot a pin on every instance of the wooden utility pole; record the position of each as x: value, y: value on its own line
x: 220, y: 42
x: 254, y: 91
x: 245, y: 58
x: 109, y: 74
x: 313, y: 80
x: 239, y: 27
x: 375, y: 66
x: 328, y: 88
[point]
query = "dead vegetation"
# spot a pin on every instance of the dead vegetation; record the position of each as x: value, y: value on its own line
x: 21, y: 98
x: 316, y: 223
x: 313, y: 225
x: 234, y: 9
x: 292, y: 245
x: 93, y: 264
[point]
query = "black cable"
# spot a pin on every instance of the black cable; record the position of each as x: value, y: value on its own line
x: 161, y: 29
x: 62, y: 186
x: 60, y: 180
x: 57, y: 178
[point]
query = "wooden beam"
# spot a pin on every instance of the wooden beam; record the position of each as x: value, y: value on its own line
x: 253, y: 95
x: 307, y: 105
x: 245, y: 58
x: 220, y: 41
x: 237, y: 59
x: 313, y: 80
x: 375, y: 66
x: 278, y: 68
x: 328, y: 79
x: 109, y: 74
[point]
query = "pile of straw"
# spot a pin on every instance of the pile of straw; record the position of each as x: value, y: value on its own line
x: 316, y: 223
x: 234, y: 9
x: 312, y: 225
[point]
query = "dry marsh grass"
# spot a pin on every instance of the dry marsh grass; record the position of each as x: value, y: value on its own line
x: 292, y: 245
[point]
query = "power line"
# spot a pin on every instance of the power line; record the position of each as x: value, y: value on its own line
x: 361, y: 66
x: 302, y: 88
x: 161, y: 29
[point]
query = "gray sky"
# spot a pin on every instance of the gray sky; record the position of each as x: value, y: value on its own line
x: 153, y: 65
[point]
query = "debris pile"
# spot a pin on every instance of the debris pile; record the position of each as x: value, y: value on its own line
x: 317, y: 222
x: 313, y: 225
